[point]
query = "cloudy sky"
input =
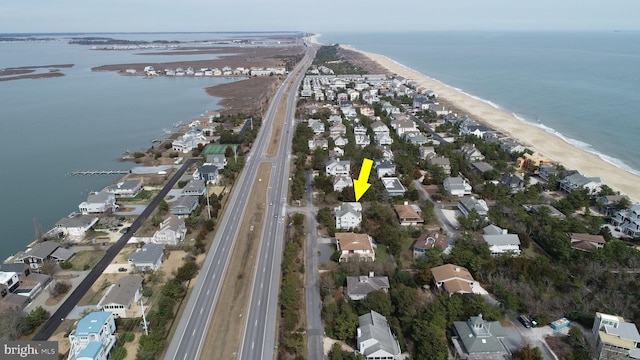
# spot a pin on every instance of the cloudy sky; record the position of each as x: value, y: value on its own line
x: 316, y: 16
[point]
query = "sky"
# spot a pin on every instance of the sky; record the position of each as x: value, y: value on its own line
x: 18, y: 16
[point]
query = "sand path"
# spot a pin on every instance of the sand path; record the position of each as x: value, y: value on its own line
x: 533, y: 137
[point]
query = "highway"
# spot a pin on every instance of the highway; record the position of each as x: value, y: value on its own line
x: 259, y: 330
x: 191, y: 332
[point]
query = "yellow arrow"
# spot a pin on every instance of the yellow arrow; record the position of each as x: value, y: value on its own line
x: 361, y: 185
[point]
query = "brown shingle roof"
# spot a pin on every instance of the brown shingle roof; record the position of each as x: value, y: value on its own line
x: 406, y: 212
x: 450, y: 271
x: 439, y: 241
x: 352, y: 241
x: 587, y: 237
x: 457, y: 286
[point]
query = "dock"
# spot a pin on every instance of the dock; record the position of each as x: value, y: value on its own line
x: 99, y: 172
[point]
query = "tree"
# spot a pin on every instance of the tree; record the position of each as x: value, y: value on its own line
x: 228, y: 152
x: 529, y: 353
x: 378, y: 301
x: 10, y: 325
x: 49, y: 267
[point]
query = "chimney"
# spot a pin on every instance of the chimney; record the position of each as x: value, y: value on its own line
x: 370, y: 274
x: 406, y: 203
x: 457, y: 269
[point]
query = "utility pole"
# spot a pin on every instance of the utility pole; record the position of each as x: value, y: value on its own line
x: 208, y: 204
x: 144, y: 319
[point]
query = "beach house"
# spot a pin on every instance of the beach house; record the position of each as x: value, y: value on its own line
x: 338, y: 167
x: 408, y: 215
x: 628, y: 221
x: 457, y: 186
x: 375, y: 339
x: 500, y: 241
x: 479, y: 339
x: 615, y: 338
x: 453, y: 279
x: 358, y: 287
x: 428, y: 241
x: 348, y: 215
x: 578, y: 181
x: 355, y: 247
x: 470, y: 203
x: 97, y: 203
x: 172, y: 231
x: 75, y: 226
x: 149, y: 257
x: 125, y: 189
x: 93, y: 337
x: 121, y: 295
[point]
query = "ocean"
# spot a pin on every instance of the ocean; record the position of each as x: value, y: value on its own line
x: 580, y: 86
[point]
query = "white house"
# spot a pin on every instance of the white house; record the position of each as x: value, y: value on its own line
x: 76, y: 225
x: 127, y: 188
x: 341, y: 182
x: 93, y: 337
x: 628, y: 221
x: 375, y: 339
x: 385, y: 168
x: 383, y: 139
x: 379, y: 127
x: 172, y: 231
x: 469, y: 203
x: 500, y: 242
x: 189, y: 141
x: 457, y: 186
x: 353, y: 246
x: 363, y: 140
x: 121, y: 295
x: 579, y: 181
x: 348, y: 215
x: 97, y: 203
x: 337, y: 167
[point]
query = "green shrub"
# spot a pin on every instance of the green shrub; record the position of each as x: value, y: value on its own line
x: 66, y: 265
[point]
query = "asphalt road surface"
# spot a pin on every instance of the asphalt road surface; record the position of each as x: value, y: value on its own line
x: 259, y: 331
x: 56, y: 319
x: 191, y: 332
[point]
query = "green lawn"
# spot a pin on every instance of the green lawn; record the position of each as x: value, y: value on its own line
x: 89, y: 257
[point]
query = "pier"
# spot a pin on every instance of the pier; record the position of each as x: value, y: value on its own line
x: 99, y: 172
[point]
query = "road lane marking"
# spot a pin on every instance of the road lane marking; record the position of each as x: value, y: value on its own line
x: 201, y: 310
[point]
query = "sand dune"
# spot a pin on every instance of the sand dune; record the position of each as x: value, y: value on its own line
x: 533, y: 137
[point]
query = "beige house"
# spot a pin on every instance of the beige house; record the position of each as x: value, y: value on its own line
x: 453, y: 279
x: 408, y: 214
x: 586, y: 242
x: 353, y: 246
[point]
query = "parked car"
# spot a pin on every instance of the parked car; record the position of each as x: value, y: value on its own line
x: 525, y: 321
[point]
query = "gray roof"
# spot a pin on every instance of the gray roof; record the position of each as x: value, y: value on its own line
x: 150, y: 253
x: 482, y: 166
x: 124, y: 291
x: 455, y: 183
x: 502, y: 239
x: 579, y: 180
x: 393, y: 184
x: 124, y: 185
x: 15, y: 267
x: 345, y: 209
x: 208, y: 169
x: 187, y: 201
x: 99, y: 198
x: 471, y: 202
x: 479, y: 336
x: 43, y: 250
x: 492, y: 230
x: 62, y: 254
x: 375, y: 326
x: 624, y: 330
x: 362, y: 285
x: 194, y: 186
x: 78, y: 220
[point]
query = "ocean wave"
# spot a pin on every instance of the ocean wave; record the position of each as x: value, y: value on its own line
x: 580, y: 145
x: 573, y: 142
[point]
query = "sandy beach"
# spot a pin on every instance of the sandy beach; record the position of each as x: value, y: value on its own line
x: 527, y: 134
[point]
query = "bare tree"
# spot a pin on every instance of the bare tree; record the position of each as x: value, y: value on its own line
x: 59, y: 288
x: 10, y: 324
x: 49, y: 267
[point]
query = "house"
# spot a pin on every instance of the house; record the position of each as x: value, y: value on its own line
x: 393, y: 186
x: 121, y: 296
x: 479, y: 339
x: 553, y: 212
x: 359, y: 129
x: 149, y: 257
x: 340, y: 140
x: 457, y: 186
x: 208, y: 173
x: 9, y: 282
x: 44, y: 251
x: 93, y: 336
x: 341, y: 182
x: 432, y: 240
x: 357, y: 247
x: 480, y: 167
x: 615, y: 338
x: 318, y: 143
x: 378, y: 127
x: 382, y: 139
x: 468, y: 203
x: 172, y: 231
x: 219, y: 160
x: 610, y: 204
x: 100, y: 202
x: 75, y: 225
x: 441, y: 161
x: 348, y: 215
x: 189, y: 141
x: 408, y: 214
x: 544, y: 171
x: 375, y: 339
x: 337, y: 130
x: 473, y: 128
x: 30, y: 284
x: 453, y: 279
x: 404, y: 125
x: 387, y: 154
x: 416, y: 138
x: 195, y: 187
x: 385, y: 168
x: 184, y: 205
x: 586, y: 242
x: 628, y: 221
x: 317, y: 126
x: 500, y: 242
x: 513, y: 182
x: 470, y: 153
x: 579, y: 181
x: 126, y: 189
x: 337, y: 167
x: 358, y: 287
x: 511, y: 146
x: 426, y: 152
x: 363, y: 140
